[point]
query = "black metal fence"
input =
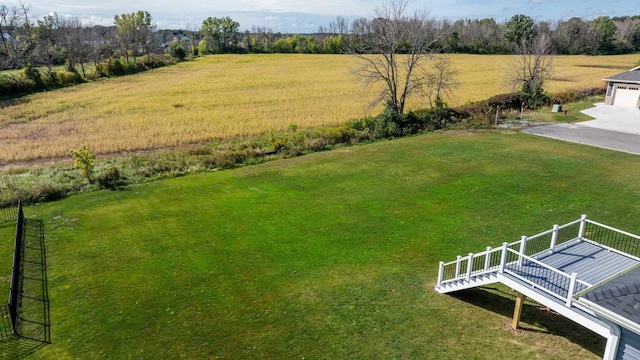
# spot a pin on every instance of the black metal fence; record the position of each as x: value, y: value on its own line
x: 16, y: 283
x: 28, y: 305
x: 8, y: 214
x: 613, y: 238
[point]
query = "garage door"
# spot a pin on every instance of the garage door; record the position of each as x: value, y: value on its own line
x: 627, y: 95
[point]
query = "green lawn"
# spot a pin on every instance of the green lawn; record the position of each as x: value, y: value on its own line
x: 573, y: 111
x: 328, y: 256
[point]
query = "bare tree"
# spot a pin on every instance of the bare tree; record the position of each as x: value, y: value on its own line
x: 342, y: 25
x: 103, y: 42
x: 440, y: 80
x: 192, y: 32
x: 400, y: 46
x: 534, y: 65
x: 73, y: 38
x: 18, y: 39
x: 332, y: 28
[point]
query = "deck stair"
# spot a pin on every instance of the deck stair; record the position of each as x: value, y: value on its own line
x: 553, y: 268
x: 560, y: 262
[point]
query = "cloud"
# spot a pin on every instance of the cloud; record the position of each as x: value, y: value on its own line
x: 306, y: 16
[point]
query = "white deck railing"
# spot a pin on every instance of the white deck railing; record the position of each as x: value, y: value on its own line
x: 511, y: 256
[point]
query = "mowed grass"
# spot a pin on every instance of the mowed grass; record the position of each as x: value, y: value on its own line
x: 328, y: 256
x: 234, y: 96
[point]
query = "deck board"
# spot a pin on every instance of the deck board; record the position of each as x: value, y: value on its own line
x: 592, y: 263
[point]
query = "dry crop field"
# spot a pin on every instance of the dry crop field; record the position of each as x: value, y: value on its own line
x: 234, y: 96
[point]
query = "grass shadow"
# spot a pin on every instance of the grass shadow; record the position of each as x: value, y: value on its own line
x: 535, y: 317
x: 16, y: 347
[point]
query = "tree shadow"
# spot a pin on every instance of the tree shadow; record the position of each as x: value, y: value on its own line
x: 535, y: 317
x: 14, y: 100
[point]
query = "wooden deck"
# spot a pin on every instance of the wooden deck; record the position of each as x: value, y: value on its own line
x: 558, y: 268
x: 590, y: 262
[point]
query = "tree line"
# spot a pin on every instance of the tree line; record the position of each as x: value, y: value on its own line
x: 601, y: 36
x: 54, y: 39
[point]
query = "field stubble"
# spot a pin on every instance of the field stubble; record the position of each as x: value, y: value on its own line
x: 234, y: 96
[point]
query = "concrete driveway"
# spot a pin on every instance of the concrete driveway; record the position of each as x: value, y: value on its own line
x: 614, y: 128
x: 614, y: 118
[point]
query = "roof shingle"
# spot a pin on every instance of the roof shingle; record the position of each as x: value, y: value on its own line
x: 620, y: 295
x: 631, y: 76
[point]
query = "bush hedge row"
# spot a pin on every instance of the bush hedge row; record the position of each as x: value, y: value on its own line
x: 32, y: 79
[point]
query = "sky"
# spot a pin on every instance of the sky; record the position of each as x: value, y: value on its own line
x: 296, y: 16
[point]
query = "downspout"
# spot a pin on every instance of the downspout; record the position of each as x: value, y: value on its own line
x: 613, y: 340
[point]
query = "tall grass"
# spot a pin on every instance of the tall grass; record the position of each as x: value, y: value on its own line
x: 233, y: 96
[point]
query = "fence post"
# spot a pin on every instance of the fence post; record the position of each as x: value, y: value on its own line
x: 503, y: 256
x: 440, y: 273
x: 15, y: 271
x: 572, y: 288
x: 458, y: 266
x: 487, y: 259
x: 583, y: 222
x: 523, y: 248
x: 469, y: 266
x: 554, y: 237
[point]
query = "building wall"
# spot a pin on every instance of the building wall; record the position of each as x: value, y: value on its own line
x: 629, y: 346
x: 608, y: 100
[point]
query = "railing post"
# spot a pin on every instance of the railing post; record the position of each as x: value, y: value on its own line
x: 469, y: 266
x: 487, y: 259
x: 457, y: 266
x: 572, y: 288
x: 554, y: 237
x: 523, y: 248
x: 503, y: 256
x: 583, y: 222
x: 440, y: 273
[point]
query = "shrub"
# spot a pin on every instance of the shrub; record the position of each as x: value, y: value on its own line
x: 588, y: 92
x: 564, y: 97
x: 32, y: 73
x: 478, y: 113
x: 432, y: 119
x: 32, y: 191
x: 203, y: 47
x: 51, y: 78
x: 177, y: 51
x: 507, y: 101
x: 45, y: 191
x: 391, y: 124
x: 65, y: 78
x: 110, y: 179
x: 83, y: 161
x: 102, y: 69
x: 280, y: 144
x: 361, y: 124
x: 15, y: 84
x: 116, y: 67
x: 576, y: 95
x: 150, y: 61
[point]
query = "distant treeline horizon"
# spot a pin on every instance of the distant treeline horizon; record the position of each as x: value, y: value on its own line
x: 56, y: 40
